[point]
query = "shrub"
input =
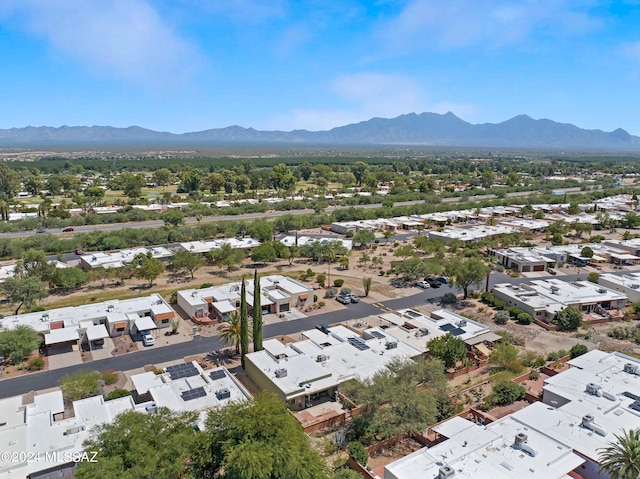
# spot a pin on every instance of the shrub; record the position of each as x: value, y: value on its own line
x: 117, y: 393
x: 578, y: 350
x: 593, y: 277
x: 330, y: 293
x: 35, y: 364
x: 315, y: 298
x: 507, y: 392
x: 322, y: 304
x: 525, y: 318
x: 109, y: 377
x: 534, y: 375
x: 80, y: 385
x: 501, y: 317
x: 173, y: 299
x: 202, y: 286
x: 345, y: 291
x: 338, y: 283
x: 358, y: 453
x: 448, y: 298
x: 320, y: 279
x: 555, y: 355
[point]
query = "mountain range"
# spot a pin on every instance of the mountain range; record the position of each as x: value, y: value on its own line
x: 424, y: 129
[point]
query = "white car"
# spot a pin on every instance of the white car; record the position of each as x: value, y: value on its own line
x: 422, y: 284
x: 147, y: 339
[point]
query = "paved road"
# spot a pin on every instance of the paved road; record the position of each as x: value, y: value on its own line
x: 199, y: 345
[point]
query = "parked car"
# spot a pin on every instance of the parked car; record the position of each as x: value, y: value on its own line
x: 343, y: 298
x: 433, y: 282
x: 41, y: 230
x: 79, y: 251
x: 147, y: 339
x: 68, y: 230
x: 422, y: 284
x: 443, y: 279
x: 354, y: 298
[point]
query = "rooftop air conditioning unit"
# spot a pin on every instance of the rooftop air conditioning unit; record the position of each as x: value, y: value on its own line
x: 391, y: 344
x: 588, y: 422
x: 422, y: 332
x: 321, y: 358
x: 223, y: 393
x: 594, y: 389
x: 445, y: 472
x: 635, y: 286
x: 630, y: 368
x: 521, y: 438
x: 281, y: 373
x: 462, y: 323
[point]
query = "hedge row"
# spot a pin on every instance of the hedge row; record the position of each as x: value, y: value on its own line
x: 517, y: 314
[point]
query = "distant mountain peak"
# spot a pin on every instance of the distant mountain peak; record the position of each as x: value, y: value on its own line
x: 425, y: 128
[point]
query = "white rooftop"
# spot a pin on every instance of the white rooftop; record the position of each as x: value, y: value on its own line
x: 116, y: 259
x: 206, y: 246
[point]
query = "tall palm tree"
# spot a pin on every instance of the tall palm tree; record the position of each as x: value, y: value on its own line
x: 621, y: 459
x: 230, y: 331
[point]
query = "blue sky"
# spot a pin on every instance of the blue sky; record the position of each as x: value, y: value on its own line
x: 189, y: 65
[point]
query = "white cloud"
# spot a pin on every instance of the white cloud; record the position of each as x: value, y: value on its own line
x: 451, y: 24
x: 363, y: 96
x: 123, y: 38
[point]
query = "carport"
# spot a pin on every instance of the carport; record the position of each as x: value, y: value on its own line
x: 145, y: 323
x: 62, y: 336
x: 96, y: 332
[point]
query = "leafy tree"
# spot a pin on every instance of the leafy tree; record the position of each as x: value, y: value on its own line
x: 503, y: 355
x: 358, y: 452
x: 9, y: 182
x: 227, y: 257
x: 568, y: 319
x: 263, y: 253
x: 80, y: 385
x: 346, y: 473
x: 69, y: 278
x: 261, y: 440
x: 23, y: 291
x: 162, y: 177
x: 392, y: 404
x: 244, y: 323
x: 621, y: 459
x: 256, y: 313
x: 34, y: 263
x: 262, y: 231
x: 578, y: 350
x: 117, y: 393
x: 147, y: 267
x: 467, y: 272
x: 363, y: 237
x: 586, y: 252
x: 593, y: 277
x: 229, y: 331
x: 132, y: 185
x: 448, y: 349
x: 405, y: 251
x: 506, y: 392
x: 366, y: 285
x: 556, y: 239
x: 137, y: 445
x: 631, y: 220
x: 359, y: 170
x: 16, y: 344
x: 187, y: 262
x: 214, y: 182
x: 173, y: 217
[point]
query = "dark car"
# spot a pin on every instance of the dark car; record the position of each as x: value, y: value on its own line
x: 41, y: 230
x: 68, y: 230
x: 433, y: 282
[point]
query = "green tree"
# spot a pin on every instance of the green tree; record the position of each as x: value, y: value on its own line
x: 262, y: 231
x: 366, y: 285
x: 501, y: 317
x: 16, y: 344
x: 117, y: 393
x: 359, y: 170
x: 586, y: 252
x: 506, y: 392
x: 578, y: 350
x: 132, y: 185
x: 9, y: 182
x: 80, y: 385
x: 173, y: 217
x: 263, y: 253
x: 244, y: 323
x: 34, y: 263
x: 261, y: 440
x: 69, y: 278
x: 405, y: 251
x: 229, y: 331
x: 162, y: 177
x: 346, y: 473
x: 256, y: 313
x: 503, y: 355
x: 227, y: 257
x: 448, y: 349
x: 467, y: 272
x: 147, y: 267
x: 214, y: 182
x: 593, y: 277
x: 363, y: 237
x: 631, y: 220
x: 358, y: 452
x: 621, y: 459
x: 137, y: 445
x: 568, y: 319
x: 24, y: 291
x: 187, y: 262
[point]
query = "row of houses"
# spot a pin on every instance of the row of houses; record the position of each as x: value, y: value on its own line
x: 314, y: 368
x: 542, y: 299
x: 45, y: 430
x: 561, y: 436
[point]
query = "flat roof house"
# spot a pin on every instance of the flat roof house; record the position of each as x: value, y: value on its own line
x: 524, y: 260
x: 123, y: 257
x: 470, y: 234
